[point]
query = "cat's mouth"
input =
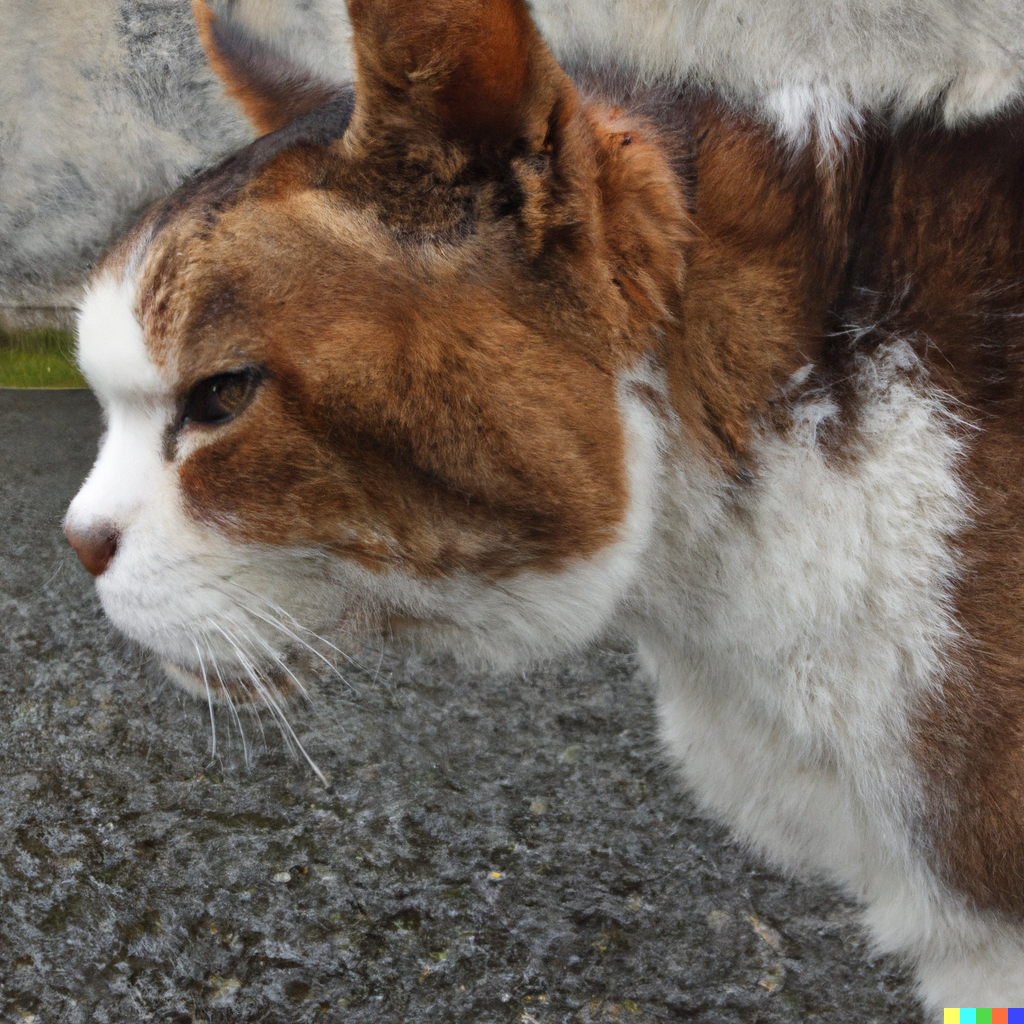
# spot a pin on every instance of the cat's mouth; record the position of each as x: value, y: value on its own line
x: 256, y: 687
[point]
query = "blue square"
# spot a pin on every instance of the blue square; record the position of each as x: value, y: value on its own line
x: 1016, y: 1015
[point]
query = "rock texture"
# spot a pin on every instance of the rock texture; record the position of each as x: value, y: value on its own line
x: 106, y: 105
x: 506, y: 849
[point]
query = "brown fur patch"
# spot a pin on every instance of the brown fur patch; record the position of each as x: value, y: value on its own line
x: 429, y: 430
x: 464, y: 65
x: 760, y: 279
x: 943, y: 264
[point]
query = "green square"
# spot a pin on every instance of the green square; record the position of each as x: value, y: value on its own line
x: 983, y: 1016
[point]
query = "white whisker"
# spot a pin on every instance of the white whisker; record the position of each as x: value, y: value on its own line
x: 209, y: 701
x: 296, y: 625
x: 247, y: 754
x: 271, y: 702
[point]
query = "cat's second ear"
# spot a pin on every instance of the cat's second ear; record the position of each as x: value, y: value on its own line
x: 271, y: 90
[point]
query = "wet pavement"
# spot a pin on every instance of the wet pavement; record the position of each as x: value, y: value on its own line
x: 489, y: 849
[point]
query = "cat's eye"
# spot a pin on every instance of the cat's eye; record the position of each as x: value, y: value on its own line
x: 220, y: 398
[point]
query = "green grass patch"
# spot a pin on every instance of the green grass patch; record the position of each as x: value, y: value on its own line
x: 38, y: 358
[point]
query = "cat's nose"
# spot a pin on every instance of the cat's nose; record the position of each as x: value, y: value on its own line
x: 95, y: 545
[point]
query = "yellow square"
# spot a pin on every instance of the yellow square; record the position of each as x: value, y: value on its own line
x: 951, y: 1016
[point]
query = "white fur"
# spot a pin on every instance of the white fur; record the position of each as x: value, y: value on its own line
x: 174, y: 586
x: 112, y: 351
x: 790, y: 627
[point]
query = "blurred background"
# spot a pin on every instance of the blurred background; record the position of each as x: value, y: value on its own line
x: 104, y: 106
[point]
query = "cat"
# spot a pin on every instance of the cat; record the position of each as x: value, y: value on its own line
x: 493, y: 358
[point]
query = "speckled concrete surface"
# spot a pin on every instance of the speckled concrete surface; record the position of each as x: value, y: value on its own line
x: 489, y: 850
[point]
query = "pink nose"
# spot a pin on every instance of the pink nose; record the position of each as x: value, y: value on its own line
x: 95, y: 546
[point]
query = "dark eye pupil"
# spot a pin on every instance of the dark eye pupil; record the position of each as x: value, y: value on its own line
x: 220, y: 398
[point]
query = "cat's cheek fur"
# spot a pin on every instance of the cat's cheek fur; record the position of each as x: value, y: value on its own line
x: 533, y: 615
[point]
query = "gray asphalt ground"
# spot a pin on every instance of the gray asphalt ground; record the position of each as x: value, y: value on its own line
x: 506, y: 849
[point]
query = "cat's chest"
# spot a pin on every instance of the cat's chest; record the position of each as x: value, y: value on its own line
x: 791, y: 629
x: 817, y: 597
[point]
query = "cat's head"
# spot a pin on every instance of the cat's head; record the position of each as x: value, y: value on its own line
x: 387, y: 371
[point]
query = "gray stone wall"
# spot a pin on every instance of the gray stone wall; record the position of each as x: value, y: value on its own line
x: 105, y: 105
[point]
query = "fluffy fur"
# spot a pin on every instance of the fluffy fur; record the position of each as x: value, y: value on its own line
x: 496, y: 361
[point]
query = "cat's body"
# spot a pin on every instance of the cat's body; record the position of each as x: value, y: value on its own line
x: 503, y: 364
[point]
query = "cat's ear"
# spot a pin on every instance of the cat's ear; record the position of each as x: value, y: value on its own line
x: 271, y: 90
x: 470, y: 72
